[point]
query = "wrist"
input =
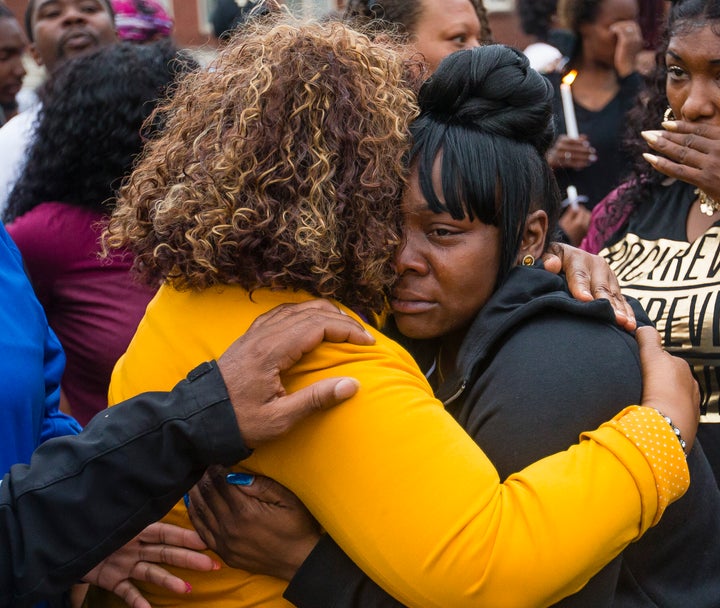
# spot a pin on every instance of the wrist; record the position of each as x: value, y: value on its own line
x: 676, y: 431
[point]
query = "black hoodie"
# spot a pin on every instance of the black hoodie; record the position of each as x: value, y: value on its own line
x: 536, y: 369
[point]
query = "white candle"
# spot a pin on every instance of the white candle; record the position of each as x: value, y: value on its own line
x: 572, y: 196
x: 571, y: 127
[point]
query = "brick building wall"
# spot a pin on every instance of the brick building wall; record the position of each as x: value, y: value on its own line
x: 191, y: 26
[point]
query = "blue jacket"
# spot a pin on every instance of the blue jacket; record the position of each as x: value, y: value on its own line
x: 31, y: 365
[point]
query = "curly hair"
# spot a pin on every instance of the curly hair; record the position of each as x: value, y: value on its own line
x: 281, y: 166
x: 536, y: 17
x: 89, y: 127
x: 403, y: 14
x: 647, y: 114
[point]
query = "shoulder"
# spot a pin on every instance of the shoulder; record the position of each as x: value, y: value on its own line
x: 52, y: 234
x: 19, y: 127
x: 553, y: 376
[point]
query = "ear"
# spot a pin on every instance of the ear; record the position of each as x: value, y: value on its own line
x: 35, y: 55
x: 534, y: 233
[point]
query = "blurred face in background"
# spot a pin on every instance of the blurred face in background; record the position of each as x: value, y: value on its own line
x: 445, y: 27
x: 12, y: 49
x: 67, y: 28
x: 599, y: 38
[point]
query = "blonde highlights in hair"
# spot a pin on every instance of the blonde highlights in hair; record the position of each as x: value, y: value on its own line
x: 281, y: 166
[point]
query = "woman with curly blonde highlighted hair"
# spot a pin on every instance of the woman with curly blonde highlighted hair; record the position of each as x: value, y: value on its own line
x: 278, y: 179
x: 280, y: 118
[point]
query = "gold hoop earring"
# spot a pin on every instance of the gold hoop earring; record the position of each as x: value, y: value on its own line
x: 528, y: 260
x: 668, y: 115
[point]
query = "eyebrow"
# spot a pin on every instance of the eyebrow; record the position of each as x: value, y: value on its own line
x: 43, y: 3
x: 678, y: 58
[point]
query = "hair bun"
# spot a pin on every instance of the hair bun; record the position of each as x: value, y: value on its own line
x: 493, y: 89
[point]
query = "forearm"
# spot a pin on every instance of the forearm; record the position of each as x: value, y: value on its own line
x: 329, y: 578
x: 138, y: 458
x: 388, y: 499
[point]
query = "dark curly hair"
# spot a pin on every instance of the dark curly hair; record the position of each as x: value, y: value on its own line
x: 281, y: 167
x: 89, y: 127
x: 491, y: 117
x: 402, y: 15
x: 647, y: 115
x: 536, y: 17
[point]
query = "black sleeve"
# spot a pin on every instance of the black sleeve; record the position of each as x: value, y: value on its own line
x: 552, y: 378
x: 548, y: 380
x: 330, y: 579
x: 83, y: 497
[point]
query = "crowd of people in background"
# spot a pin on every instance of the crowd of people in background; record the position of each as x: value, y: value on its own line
x: 497, y: 231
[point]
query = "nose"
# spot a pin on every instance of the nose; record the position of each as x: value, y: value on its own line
x: 472, y: 43
x: 18, y: 68
x: 73, y: 14
x: 410, y: 256
x: 701, y: 100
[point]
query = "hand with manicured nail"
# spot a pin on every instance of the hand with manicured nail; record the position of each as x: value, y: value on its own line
x: 252, y: 522
x: 140, y: 559
x: 688, y: 151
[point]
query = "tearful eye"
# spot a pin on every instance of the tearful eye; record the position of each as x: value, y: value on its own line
x: 675, y: 72
x: 440, y: 232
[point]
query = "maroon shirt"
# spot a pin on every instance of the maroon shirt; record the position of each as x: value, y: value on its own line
x: 94, y: 305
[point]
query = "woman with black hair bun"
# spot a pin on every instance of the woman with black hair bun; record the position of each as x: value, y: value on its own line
x: 516, y: 360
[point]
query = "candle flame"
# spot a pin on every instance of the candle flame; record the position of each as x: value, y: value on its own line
x: 569, y: 78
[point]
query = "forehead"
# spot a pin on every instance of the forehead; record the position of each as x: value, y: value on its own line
x: 448, y: 13
x: 699, y: 43
x: 618, y: 10
x: 11, y: 34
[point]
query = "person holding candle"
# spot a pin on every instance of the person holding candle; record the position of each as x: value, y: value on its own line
x: 591, y: 103
x: 660, y: 229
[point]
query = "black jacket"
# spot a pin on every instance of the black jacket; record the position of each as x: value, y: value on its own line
x: 535, y: 370
x: 82, y: 497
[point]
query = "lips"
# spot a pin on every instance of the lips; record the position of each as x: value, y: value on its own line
x: 408, y: 302
x: 78, y: 41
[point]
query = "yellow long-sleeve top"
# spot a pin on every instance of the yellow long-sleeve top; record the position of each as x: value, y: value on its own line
x: 399, y: 484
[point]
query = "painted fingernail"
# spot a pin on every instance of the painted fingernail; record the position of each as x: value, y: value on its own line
x: 239, y: 479
x: 651, y: 136
x: 592, y: 158
x: 186, y: 500
x: 188, y: 587
x: 651, y: 158
x: 669, y: 125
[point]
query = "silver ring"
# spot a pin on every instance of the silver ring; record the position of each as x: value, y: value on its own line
x: 568, y: 155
